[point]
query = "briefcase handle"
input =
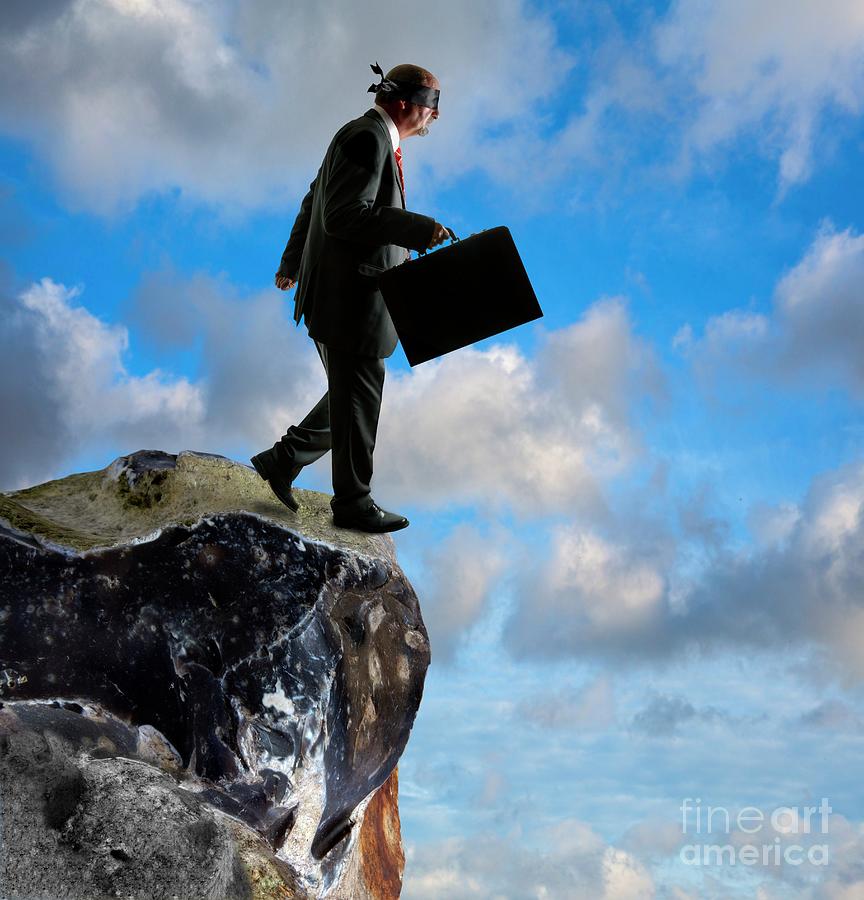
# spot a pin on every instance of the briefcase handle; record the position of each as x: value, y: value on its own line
x: 453, y: 239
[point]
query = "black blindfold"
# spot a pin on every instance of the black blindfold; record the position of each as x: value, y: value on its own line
x: 403, y: 90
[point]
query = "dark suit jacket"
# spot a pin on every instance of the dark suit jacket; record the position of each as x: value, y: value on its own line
x: 352, y: 225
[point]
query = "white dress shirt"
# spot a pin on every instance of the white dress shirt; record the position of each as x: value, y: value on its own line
x: 391, y: 125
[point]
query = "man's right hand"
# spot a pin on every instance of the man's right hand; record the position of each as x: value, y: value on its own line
x: 284, y: 283
x: 439, y: 235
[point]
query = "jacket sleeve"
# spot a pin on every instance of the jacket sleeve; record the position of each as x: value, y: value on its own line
x: 290, y: 263
x: 352, y: 185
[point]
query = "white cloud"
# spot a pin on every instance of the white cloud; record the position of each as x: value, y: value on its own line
x: 86, y: 360
x: 462, y: 571
x: 653, y: 839
x: 625, y: 878
x: 735, y: 326
x: 820, y: 307
x: 809, y: 589
x: 70, y: 386
x: 123, y: 98
x: 601, y: 596
x: 490, y: 427
x: 231, y: 103
x: 235, y: 103
x: 815, y: 329
x: 683, y: 338
x: 496, y: 428
x: 764, y: 68
x: 838, y: 890
x: 590, y: 594
x: 772, y: 525
x: 259, y: 372
x: 574, y: 862
x: 614, y: 591
x: 67, y: 386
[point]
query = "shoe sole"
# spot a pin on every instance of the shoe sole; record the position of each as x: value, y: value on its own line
x: 353, y: 527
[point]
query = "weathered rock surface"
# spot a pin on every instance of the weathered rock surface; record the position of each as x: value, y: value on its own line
x: 203, y: 693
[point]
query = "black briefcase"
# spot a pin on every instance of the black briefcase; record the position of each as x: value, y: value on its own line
x: 472, y: 289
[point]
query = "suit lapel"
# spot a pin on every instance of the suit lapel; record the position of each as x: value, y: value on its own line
x: 374, y: 115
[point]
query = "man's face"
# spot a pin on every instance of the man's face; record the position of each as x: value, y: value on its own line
x: 418, y: 118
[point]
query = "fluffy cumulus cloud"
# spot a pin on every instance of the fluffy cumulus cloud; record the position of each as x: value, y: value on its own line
x: 757, y: 64
x: 65, y: 384
x: 461, y: 572
x: 574, y: 862
x: 844, y: 879
x: 818, y: 853
x: 598, y: 597
x: 37, y: 435
x: 490, y: 427
x: 126, y: 96
x: 67, y: 387
x: 591, y: 594
x: 815, y: 328
x: 809, y: 852
x: 538, y: 435
x: 820, y: 308
x: 258, y: 372
x: 235, y: 102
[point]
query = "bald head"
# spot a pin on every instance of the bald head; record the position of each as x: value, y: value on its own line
x: 409, y: 74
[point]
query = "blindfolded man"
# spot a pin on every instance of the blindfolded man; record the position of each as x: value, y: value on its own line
x: 353, y: 225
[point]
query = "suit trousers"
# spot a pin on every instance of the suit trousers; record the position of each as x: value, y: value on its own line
x: 344, y: 421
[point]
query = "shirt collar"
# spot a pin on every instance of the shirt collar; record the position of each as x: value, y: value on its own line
x: 391, y: 126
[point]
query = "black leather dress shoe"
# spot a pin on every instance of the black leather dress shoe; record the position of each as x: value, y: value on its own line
x: 373, y: 519
x: 279, y: 484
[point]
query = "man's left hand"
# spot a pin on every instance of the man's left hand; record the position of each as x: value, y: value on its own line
x: 284, y: 283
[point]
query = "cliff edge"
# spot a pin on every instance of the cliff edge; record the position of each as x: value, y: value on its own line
x: 203, y: 694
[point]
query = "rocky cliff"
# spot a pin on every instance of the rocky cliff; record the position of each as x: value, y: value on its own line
x: 203, y: 694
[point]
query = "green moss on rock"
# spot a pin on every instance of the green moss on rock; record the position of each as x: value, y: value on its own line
x: 144, y: 492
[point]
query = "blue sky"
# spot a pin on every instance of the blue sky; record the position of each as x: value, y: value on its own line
x: 637, y: 524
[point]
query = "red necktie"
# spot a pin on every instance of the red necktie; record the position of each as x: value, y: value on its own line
x: 402, y: 180
x: 399, y: 166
